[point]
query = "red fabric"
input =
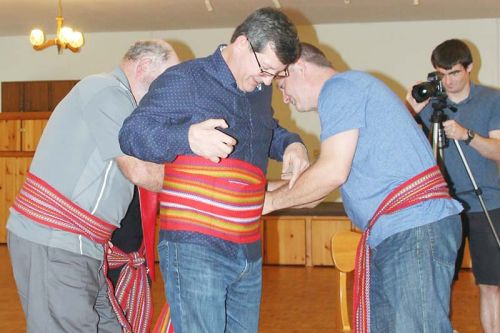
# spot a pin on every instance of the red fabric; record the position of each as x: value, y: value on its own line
x: 149, y: 211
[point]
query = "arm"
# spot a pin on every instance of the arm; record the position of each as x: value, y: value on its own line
x: 328, y: 173
x: 488, y: 147
x: 417, y: 107
x: 161, y: 126
x: 144, y: 174
x: 288, y: 147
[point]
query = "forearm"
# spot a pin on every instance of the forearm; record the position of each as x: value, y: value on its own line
x: 488, y: 147
x: 143, y: 174
x: 153, y: 142
x: 281, y: 139
x: 311, y: 187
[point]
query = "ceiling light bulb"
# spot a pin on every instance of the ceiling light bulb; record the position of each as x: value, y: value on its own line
x: 347, y: 2
x: 65, y: 34
x: 37, y: 37
x: 76, y: 40
x: 416, y: 2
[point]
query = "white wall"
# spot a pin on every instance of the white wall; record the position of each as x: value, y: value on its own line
x: 396, y: 52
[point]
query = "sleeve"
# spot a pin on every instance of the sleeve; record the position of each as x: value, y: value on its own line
x: 494, y: 123
x: 157, y: 130
x: 281, y: 139
x: 341, y: 107
x: 104, y: 114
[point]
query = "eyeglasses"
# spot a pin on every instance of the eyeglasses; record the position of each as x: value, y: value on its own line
x: 279, y: 75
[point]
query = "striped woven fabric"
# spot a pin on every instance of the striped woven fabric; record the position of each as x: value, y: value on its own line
x: 163, y: 323
x: 42, y: 203
x: 222, y: 200
x: 427, y: 185
x: 132, y: 290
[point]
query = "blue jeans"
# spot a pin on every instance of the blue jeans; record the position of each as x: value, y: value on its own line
x: 411, y: 276
x: 208, y: 291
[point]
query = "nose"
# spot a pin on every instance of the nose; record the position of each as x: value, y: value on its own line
x: 267, y: 80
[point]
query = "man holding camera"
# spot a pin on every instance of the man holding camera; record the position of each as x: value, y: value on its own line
x: 375, y: 152
x: 476, y: 124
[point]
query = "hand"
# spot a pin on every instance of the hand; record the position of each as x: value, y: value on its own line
x: 295, y: 161
x: 417, y: 107
x: 454, y: 130
x: 207, y: 141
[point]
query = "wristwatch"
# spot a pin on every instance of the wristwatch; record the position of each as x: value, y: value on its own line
x: 470, y: 136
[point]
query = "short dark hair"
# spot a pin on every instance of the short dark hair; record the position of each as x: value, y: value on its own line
x: 268, y: 25
x: 314, y: 55
x: 451, y: 52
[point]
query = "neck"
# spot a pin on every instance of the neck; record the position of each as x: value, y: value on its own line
x: 461, y: 95
x: 135, y: 87
x: 320, y: 77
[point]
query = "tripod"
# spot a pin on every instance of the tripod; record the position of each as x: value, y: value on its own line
x: 439, y: 142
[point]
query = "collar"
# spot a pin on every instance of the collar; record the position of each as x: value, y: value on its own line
x: 220, y: 71
x: 120, y: 75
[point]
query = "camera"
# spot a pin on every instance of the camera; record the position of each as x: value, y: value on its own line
x: 432, y: 88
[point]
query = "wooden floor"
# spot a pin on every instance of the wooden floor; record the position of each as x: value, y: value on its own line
x: 295, y: 300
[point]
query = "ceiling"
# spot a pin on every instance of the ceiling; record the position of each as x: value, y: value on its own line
x: 18, y: 17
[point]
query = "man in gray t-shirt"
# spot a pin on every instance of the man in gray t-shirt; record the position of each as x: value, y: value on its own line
x: 58, y: 273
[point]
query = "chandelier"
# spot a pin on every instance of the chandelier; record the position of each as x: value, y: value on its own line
x: 66, y: 37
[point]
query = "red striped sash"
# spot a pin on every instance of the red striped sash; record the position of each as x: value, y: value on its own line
x: 427, y: 185
x: 42, y: 203
x: 222, y: 200
x: 132, y: 289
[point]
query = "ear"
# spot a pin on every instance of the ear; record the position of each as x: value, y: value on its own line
x: 241, y: 42
x: 143, y: 65
x: 300, y: 66
x: 469, y: 68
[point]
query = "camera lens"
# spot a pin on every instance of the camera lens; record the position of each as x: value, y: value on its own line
x: 423, y: 91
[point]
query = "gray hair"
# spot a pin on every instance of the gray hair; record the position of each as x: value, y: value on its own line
x: 157, y: 49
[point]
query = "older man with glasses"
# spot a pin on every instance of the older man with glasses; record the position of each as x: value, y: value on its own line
x: 210, y: 250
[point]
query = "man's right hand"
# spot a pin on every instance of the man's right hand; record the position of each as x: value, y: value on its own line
x: 417, y: 107
x: 207, y: 141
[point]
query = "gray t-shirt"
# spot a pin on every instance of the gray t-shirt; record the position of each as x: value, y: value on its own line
x: 76, y: 156
x: 391, y: 149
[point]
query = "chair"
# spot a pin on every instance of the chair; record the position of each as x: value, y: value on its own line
x: 343, y: 249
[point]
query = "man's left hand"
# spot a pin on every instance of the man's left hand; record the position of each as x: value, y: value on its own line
x: 295, y: 161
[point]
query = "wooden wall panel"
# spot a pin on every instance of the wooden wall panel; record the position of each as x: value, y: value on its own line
x: 12, y: 96
x: 32, y: 130
x: 58, y: 90
x: 285, y: 240
x: 36, y: 96
x: 322, y: 231
x: 10, y: 135
x: 13, y: 171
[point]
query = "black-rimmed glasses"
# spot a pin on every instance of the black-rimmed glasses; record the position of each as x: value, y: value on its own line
x: 279, y: 75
